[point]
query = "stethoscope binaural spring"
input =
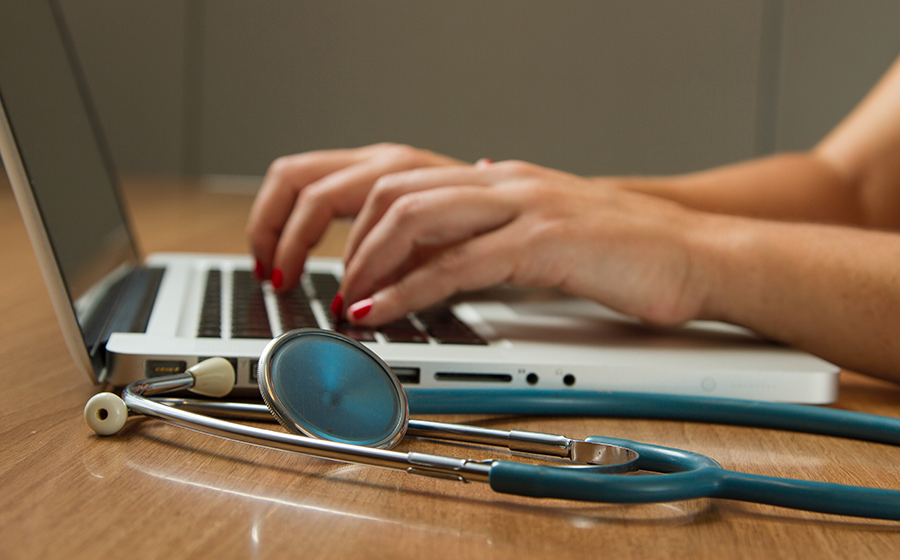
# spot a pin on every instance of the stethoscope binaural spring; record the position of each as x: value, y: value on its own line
x: 341, y: 402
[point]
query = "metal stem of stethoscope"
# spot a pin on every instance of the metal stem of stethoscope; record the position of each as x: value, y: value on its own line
x: 552, y: 445
x: 413, y: 463
x: 601, y: 457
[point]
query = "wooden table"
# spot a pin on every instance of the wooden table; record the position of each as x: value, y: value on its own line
x: 156, y: 491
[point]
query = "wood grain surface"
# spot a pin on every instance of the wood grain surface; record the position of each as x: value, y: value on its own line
x: 155, y: 491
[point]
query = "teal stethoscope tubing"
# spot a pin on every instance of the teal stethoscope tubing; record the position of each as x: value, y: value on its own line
x: 738, y: 412
x: 688, y: 475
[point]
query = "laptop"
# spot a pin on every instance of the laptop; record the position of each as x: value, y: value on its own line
x: 125, y: 317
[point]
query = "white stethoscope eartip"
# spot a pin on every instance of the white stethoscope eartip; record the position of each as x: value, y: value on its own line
x: 105, y: 413
x: 213, y: 377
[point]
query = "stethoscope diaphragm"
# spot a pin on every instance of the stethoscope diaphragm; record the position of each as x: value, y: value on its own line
x: 324, y: 385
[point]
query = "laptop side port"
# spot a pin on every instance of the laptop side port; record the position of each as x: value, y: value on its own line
x: 158, y: 368
x: 407, y: 375
x: 477, y: 377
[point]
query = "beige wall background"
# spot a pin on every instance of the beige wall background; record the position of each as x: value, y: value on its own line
x: 599, y: 86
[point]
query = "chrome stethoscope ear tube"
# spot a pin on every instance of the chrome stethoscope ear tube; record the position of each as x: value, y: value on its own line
x: 594, y: 456
x: 614, y: 459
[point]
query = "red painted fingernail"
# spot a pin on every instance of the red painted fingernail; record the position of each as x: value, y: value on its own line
x: 259, y: 271
x: 337, y: 306
x: 361, y: 308
x: 484, y: 161
x: 277, y: 278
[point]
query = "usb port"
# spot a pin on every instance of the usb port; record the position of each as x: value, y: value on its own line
x: 407, y: 375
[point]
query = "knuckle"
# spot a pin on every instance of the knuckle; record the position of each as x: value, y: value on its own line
x: 384, y: 146
x: 279, y: 167
x: 282, y: 169
x: 517, y: 167
x: 402, y: 155
x: 312, y: 196
x: 407, y: 208
x: 451, y: 261
x: 384, y: 191
x: 533, y: 193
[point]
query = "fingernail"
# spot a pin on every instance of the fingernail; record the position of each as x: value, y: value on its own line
x: 361, y: 308
x: 484, y: 161
x: 259, y: 271
x: 277, y: 278
x: 337, y: 306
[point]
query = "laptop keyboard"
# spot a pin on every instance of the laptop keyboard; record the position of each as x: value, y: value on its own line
x: 250, y: 318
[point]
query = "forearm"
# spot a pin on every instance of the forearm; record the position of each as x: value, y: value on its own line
x: 851, y: 177
x: 790, y: 187
x: 832, y: 291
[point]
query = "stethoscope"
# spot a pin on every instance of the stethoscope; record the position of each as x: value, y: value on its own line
x: 340, y: 401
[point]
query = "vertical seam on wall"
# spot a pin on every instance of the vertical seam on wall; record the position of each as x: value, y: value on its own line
x: 769, y: 79
x: 192, y: 104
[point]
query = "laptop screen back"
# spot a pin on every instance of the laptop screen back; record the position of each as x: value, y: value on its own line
x: 62, y: 152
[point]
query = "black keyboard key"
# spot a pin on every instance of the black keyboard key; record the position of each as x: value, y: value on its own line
x: 211, y: 312
x: 402, y: 330
x: 361, y: 334
x: 294, y: 310
x: 404, y: 335
x: 460, y: 338
x: 298, y: 322
x: 249, y: 317
x: 252, y: 333
x: 326, y: 287
x: 446, y: 328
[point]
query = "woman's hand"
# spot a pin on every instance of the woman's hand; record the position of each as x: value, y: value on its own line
x: 302, y: 193
x: 425, y: 234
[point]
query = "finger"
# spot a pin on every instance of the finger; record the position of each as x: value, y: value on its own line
x: 391, y: 187
x: 437, y: 217
x: 475, y: 264
x: 285, y: 178
x: 338, y: 194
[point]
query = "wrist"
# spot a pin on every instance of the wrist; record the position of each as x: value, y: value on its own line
x: 719, y: 248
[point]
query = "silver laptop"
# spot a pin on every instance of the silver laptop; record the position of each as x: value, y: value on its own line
x: 125, y: 318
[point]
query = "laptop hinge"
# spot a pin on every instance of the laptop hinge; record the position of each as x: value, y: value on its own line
x: 131, y: 312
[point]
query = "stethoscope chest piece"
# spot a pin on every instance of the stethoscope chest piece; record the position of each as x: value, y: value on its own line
x: 323, y: 385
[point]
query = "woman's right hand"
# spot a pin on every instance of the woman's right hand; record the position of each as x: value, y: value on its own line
x: 302, y: 193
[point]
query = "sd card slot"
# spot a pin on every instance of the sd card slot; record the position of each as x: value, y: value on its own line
x: 476, y: 377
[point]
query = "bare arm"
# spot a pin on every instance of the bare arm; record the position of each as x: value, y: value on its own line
x: 834, y: 291
x: 852, y: 177
x: 831, y: 290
